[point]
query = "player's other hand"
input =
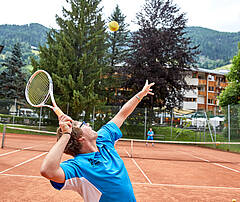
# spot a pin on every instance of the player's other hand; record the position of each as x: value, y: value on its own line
x: 65, y: 123
x: 147, y: 88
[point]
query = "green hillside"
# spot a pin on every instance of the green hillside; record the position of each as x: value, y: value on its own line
x: 217, y: 48
x: 225, y: 67
x: 30, y: 36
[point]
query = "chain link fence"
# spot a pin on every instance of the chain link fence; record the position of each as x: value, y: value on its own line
x: 176, y: 125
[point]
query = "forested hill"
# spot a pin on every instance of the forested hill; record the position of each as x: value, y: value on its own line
x: 30, y: 36
x: 33, y: 34
x: 217, y: 48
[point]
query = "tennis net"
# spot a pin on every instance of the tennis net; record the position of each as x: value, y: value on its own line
x: 169, y: 150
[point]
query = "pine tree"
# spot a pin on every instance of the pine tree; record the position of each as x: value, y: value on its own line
x: 75, y: 56
x: 160, y: 53
x: 12, y: 79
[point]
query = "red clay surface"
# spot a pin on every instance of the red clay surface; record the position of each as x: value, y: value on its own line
x: 159, y: 173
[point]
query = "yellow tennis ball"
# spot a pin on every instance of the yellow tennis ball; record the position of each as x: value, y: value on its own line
x: 234, y: 200
x: 113, y: 26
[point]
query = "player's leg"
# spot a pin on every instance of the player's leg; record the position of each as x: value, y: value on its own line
x: 148, y: 137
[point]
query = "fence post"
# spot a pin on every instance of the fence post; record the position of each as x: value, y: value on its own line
x: 67, y: 107
x: 209, y: 127
x: 93, y: 117
x: 171, y: 122
x: 3, y: 136
x: 40, y: 118
x: 229, y: 127
x: 145, y: 124
x: 15, y: 114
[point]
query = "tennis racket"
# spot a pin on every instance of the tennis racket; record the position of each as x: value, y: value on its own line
x: 38, y: 90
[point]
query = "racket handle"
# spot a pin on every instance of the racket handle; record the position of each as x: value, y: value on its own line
x: 58, y: 111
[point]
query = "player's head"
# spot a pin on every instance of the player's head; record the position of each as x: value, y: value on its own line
x: 81, y: 134
x: 89, y: 135
x: 74, y: 146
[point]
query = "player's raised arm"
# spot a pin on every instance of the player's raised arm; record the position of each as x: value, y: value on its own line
x: 128, y: 107
x: 50, y: 167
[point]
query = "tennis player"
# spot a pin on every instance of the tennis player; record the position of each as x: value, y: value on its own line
x: 96, y: 172
x: 150, y: 135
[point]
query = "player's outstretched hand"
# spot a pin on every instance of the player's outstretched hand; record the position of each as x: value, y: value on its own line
x: 65, y: 123
x: 147, y: 88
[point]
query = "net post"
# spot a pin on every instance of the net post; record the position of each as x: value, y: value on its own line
x: 3, y: 136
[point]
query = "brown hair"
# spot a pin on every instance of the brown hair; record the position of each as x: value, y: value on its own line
x: 73, y: 146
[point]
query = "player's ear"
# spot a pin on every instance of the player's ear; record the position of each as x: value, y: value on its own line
x: 81, y: 139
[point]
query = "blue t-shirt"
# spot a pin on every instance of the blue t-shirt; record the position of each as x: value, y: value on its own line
x: 151, y: 133
x: 99, y: 176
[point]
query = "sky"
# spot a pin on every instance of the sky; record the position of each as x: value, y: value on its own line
x: 220, y: 15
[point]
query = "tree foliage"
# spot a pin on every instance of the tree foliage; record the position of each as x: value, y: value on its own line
x: 27, y: 35
x: 160, y: 53
x: 118, y: 40
x: 231, y: 94
x: 217, y: 48
x: 118, y: 51
x: 11, y: 78
x: 75, y: 56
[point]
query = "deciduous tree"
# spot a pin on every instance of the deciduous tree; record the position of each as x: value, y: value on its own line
x: 231, y: 94
x: 160, y: 53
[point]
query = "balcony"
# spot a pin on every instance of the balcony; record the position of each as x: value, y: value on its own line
x: 202, y: 93
x: 202, y: 82
x: 223, y: 85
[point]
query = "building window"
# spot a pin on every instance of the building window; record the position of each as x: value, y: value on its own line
x: 210, y: 101
x: 211, y: 88
x: 210, y: 77
x: 188, y: 99
x: 202, y: 89
x: 202, y: 77
x: 194, y: 75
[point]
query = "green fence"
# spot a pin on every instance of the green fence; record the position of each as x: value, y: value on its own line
x: 177, y: 125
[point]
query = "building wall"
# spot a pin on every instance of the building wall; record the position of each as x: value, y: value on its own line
x: 207, y: 85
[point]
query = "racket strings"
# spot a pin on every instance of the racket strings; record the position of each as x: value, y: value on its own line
x: 38, y: 89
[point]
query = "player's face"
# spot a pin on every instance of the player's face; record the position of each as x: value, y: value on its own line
x: 88, y: 132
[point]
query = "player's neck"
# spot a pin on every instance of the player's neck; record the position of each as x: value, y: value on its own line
x: 89, y: 147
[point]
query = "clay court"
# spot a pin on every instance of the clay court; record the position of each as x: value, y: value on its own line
x: 163, y: 172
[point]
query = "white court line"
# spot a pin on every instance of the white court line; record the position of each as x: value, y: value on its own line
x: 217, y: 164
x: 187, y: 186
x: 139, y: 183
x: 16, y: 151
x: 10, y: 152
x: 26, y: 148
x: 139, y: 168
x: 27, y: 176
x: 24, y: 162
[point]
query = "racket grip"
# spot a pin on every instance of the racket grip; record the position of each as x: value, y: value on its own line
x: 58, y: 111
